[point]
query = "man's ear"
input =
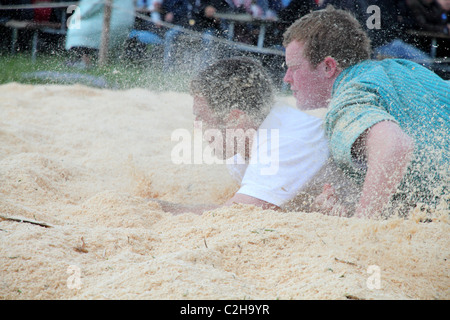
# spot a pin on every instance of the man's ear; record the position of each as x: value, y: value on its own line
x: 235, y: 116
x: 330, y: 66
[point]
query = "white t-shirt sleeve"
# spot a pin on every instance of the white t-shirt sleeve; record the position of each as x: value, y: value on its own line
x: 290, y: 150
x: 236, y: 167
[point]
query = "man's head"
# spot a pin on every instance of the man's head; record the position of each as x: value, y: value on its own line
x: 319, y: 46
x: 232, y: 94
x: 330, y: 33
x: 235, y: 85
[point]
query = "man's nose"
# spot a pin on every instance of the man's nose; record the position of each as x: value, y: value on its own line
x: 287, y: 77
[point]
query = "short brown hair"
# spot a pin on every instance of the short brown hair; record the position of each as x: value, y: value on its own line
x: 330, y: 32
x: 236, y: 83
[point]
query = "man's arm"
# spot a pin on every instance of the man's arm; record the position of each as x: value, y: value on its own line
x: 245, y: 199
x: 177, y: 208
x: 388, y: 151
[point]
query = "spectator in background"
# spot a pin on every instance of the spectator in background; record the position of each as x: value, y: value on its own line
x: 388, y: 40
x: 152, y: 8
x: 202, y: 19
x: 294, y: 9
x: 391, y: 28
x: 430, y: 15
x: 202, y: 16
x: 174, y: 12
x: 40, y: 15
x: 290, y: 11
x: 244, y: 32
x: 23, y: 14
x: 84, y: 39
x: 445, y: 4
x: 241, y: 6
x: 270, y: 8
x: 147, y: 29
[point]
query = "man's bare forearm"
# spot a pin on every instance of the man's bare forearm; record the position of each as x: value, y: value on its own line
x: 178, y: 208
x: 389, y: 151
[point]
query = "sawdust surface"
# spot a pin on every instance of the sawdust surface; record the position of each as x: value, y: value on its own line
x: 84, y: 163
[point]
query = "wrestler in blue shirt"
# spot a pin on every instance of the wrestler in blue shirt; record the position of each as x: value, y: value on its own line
x: 403, y: 92
x: 387, y: 121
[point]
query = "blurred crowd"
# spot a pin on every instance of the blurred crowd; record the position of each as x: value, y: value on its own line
x: 398, y: 33
x: 397, y: 16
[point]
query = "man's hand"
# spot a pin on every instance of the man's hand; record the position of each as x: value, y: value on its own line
x: 328, y: 203
x: 245, y: 199
x: 178, y: 208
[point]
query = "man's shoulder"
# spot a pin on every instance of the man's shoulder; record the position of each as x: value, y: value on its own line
x: 381, y: 77
x: 293, y: 124
x: 371, y: 70
x: 286, y: 113
x: 289, y: 134
x: 388, y: 78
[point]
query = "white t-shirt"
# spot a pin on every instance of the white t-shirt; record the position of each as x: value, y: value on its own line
x: 289, y: 159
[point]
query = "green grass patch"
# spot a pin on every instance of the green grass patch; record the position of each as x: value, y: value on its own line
x: 119, y: 73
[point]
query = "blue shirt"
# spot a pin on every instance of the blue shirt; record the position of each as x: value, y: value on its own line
x: 396, y: 90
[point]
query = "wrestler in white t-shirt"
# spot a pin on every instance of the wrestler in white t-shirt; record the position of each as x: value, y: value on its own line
x: 292, y: 160
x: 288, y: 162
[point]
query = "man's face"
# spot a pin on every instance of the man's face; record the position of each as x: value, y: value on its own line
x: 211, y: 121
x: 204, y: 113
x: 217, y: 127
x: 308, y: 84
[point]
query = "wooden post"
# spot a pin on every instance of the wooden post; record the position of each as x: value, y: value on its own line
x: 104, y: 44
